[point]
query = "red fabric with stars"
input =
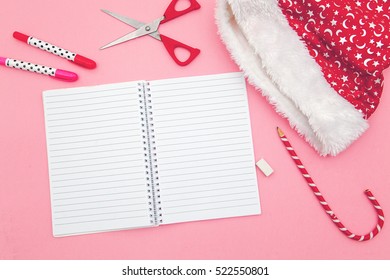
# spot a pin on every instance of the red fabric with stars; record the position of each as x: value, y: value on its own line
x: 349, y: 39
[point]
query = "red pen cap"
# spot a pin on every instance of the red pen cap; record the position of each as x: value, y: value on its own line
x: 21, y: 37
x: 85, y: 62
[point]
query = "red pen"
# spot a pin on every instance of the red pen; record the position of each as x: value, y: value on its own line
x: 73, y: 57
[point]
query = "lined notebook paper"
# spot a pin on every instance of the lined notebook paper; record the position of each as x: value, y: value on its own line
x: 142, y: 154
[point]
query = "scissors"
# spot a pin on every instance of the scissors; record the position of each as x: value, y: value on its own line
x: 151, y: 29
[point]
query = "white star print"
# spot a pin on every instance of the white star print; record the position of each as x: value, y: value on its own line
x: 310, y: 13
x: 349, y: 48
x: 379, y: 44
x: 378, y: 54
x: 378, y: 81
x: 333, y: 22
x: 336, y: 13
x: 379, y: 9
x: 372, y: 25
x: 343, y: 40
x: 348, y: 8
x: 328, y: 5
x: 376, y: 63
x: 358, y: 56
x: 354, y: 27
x: 344, y: 78
x: 358, y: 3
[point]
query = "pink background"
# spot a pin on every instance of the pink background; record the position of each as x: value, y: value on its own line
x: 292, y: 225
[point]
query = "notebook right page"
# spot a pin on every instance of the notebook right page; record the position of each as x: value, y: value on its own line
x: 204, y: 148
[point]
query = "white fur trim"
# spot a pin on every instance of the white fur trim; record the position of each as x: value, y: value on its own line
x: 274, y: 60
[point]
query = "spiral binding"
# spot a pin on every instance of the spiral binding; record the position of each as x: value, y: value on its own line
x: 153, y: 155
x: 150, y: 156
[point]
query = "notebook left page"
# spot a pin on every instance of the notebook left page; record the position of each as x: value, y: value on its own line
x: 95, y: 144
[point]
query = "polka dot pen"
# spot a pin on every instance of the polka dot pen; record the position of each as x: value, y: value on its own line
x: 324, y: 204
x: 40, y: 69
x: 45, y: 46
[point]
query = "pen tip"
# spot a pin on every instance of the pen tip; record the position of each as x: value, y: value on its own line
x: 280, y: 132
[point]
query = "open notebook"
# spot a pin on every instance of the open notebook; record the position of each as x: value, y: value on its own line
x: 142, y: 154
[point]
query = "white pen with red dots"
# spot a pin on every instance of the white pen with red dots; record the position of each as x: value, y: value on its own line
x: 40, y: 69
x: 38, y: 43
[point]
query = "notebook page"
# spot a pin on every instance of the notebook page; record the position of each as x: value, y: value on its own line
x: 96, y: 159
x: 204, y: 148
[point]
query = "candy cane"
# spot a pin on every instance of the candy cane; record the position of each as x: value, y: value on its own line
x: 324, y: 204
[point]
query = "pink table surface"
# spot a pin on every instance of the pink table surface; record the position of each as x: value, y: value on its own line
x: 292, y: 225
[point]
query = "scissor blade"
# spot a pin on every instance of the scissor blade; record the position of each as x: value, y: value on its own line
x: 146, y: 29
x: 130, y: 36
x: 129, y: 21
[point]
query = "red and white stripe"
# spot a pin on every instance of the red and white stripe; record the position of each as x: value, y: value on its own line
x: 324, y: 204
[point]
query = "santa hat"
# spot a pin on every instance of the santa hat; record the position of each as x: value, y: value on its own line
x: 318, y: 62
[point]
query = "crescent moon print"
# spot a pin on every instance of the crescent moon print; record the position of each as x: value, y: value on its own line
x: 361, y: 47
x: 307, y: 29
x: 366, y: 61
x: 368, y: 5
x: 344, y: 25
x: 323, y: 9
x: 328, y: 31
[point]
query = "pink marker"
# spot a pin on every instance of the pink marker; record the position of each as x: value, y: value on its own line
x: 76, y: 58
x: 40, y: 69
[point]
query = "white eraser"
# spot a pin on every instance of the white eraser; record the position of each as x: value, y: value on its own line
x: 265, y: 167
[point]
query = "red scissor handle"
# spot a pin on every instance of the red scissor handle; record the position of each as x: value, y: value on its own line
x: 171, y: 45
x: 172, y: 13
